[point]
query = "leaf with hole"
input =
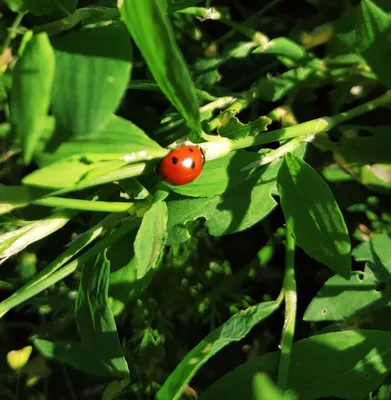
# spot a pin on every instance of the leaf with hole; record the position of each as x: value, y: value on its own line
x: 354, y: 363
x: 363, y: 293
x: 228, y: 212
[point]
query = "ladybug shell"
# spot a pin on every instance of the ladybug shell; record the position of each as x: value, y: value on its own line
x: 182, y: 165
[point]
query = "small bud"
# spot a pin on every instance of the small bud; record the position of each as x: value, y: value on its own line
x: 17, y: 359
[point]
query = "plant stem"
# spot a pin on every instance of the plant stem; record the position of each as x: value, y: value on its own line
x: 11, y: 35
x: 290, y: 296
x: 85, y: 205
x: 314, y: 126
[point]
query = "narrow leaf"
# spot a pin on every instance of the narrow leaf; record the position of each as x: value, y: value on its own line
x: 95, y: 320
x: 151, y: 238
x: 14, y: 242
x: 318, y: 224
x: 153, y: 35
x: 373, y: 33
x: 235, y: 329
x: 283, y: 47
x: 31, y: 92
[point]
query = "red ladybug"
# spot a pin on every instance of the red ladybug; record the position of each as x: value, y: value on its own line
x: 182, y: 165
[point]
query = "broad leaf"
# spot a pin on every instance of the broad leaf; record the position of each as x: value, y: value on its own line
x: 318, y: 225
x: 95, y: 320
x: 12, y: 197
x: 235, y: 210
x: 92, y: 72
x: 31, y: 92
x: 373, y: 34
x: 219, y: 175
x: 363, y: 152
x: 364, y: 292
x: 264, y: 388
x: 153, y: 35
x: 119, y: 138
x: 233, y: 330
x: 151, y: 238
x: 354, y: 363
x: 73, y: 354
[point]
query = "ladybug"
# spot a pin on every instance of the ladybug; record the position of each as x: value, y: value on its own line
x: 182, y: 165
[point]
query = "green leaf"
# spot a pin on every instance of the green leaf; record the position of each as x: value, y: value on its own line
x: 264, y: 388
x: 283, y: 46
x: 73, y: 354
x: 363, y: 152
x: 61, y: 266
x: 354, y: 363
x: 231, y: 126
x: 95, y: 320
x: 364, y: 292
x: 31, y: 92
x: 123, y: 279
x: 119, y: 138
x: 13, y: 242
x: 384, y: 392
x: 229, y: 212
x: 153, y: 35
x: 12, y: 197
x: 151, y: 238
x: 219, y: 175
x: 377, y: 253
x: 114, y: 389
x: 373, y: 33
x: 92, y: 72
x: 318, y: 224
x: 339, y: 299
x: 43, y: 7
x: 235, y: 329
x: 79, y: 173
x: 275, y: 88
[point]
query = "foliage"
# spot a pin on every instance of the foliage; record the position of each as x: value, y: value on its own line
x: 268, y: 276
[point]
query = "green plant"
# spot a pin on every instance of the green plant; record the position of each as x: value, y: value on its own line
x: 92, y: 97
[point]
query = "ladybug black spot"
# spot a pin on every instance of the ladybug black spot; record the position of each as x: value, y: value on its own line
x: 191, y: 150
x: 174, y: 160
x: 193, y: 165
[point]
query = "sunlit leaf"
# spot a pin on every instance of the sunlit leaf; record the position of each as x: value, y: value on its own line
x: 233, y: 330
x: 153, y: 35
x: 317, y: 221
